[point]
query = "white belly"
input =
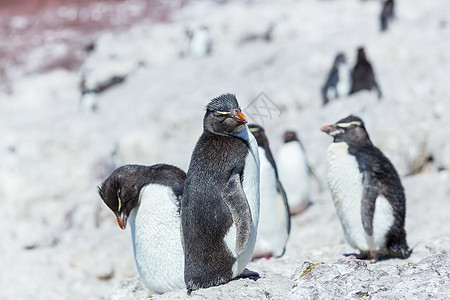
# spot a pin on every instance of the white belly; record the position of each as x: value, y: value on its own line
x: 156, y: 232
x: 345, y: 182
x: 273, y: 219
x: 251, y: 190
x: 293, y: 174
x: 343, y: 85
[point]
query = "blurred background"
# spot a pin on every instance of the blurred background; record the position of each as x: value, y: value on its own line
x: 87, y: 86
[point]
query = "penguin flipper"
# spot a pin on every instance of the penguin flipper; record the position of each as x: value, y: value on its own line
x: 369, y: 197
x: 282, y: 193
x: 234, y: 197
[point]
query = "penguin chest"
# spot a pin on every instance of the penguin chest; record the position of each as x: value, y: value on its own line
x: 273, y: 221
x: 343, y: 85
x: 156, y: 233
x: 293, y: 173
x: 250, y: 185
x: 346, y: 185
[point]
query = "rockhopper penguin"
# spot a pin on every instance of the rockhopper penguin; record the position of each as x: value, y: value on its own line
x: 274, y: 218
x: 367, y: 192
x: 220, y: 204
x: 149, y: 199
x: 294, y: 172
x: 363, y: 76
x: 338, y: 81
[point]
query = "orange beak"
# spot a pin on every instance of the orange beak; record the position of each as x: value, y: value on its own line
x: 240, y: 117
x: 328, y: 128
x: 122, y: 220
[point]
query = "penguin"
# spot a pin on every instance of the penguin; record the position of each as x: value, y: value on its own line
x: 387, y: 14
x: 220, y: 204
x: 338, y: 81
x: 148, y: 197
x: 274, y: 218
x: 363, y: 77
x: 367, y: 192
x: 196, y: 43
x: 294, y: 172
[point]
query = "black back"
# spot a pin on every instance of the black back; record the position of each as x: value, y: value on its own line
x: 204, y: 210
x: 333, y: 78
x: 127, y: 182
x: 363, y: 77
x: 387, y: 14
x: 217, y: 160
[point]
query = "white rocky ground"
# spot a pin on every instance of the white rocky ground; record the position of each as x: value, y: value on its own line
x: 61, y: 242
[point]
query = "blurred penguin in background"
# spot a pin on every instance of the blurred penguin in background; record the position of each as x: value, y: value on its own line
x: 387, y: 14
x: 274, y: 218
x: 338, y: 81
x: 293, y: 172
x: 196, y: 43
x: 363, y: 77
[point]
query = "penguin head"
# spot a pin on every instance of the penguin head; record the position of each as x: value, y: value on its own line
x: 361, y: 54
x: 120, y: 193
x: 289, y: 136
x: 259, y: 134
x: 340, y: 59
x: 224, y: 116
x: 349, y: 130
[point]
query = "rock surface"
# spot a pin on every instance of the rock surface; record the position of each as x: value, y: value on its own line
x: 61, y: 242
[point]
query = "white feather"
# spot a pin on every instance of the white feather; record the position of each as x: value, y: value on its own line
x: 156, y: 232
x: 273, y: 220
x: 343, y: 85
x: 293, y: 173
x: 345, y: 181
x: 251, y: 190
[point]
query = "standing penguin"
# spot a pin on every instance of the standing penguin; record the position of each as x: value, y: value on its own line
x: 220, y: 204
x: 387, y: 14
x: 274, y: 219
x: 294, y: 172
x: 338, y: 81
x: 149, y: 197
x: 363, y: 77
x: 367, y: 192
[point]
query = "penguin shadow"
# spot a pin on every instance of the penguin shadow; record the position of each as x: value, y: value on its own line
x: 248, y: 274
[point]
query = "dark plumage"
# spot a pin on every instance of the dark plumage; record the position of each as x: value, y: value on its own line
x: 387, y: 14
x: 363, y: 77
x: 213, y: 196
x: 379, y: 178
x: 125, y: 183
x: 331, y: 84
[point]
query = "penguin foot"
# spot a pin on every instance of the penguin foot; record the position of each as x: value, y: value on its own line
x: 361, y: 255
x: 249, y: 274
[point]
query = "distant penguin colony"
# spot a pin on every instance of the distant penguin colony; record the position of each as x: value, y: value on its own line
x: 274, y: 218
x: 367, y: 192
x: 363, y: 76
x: 220, y: 203
x: 149, y: 197
x: 338, y: 80
x: 293, y: 171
